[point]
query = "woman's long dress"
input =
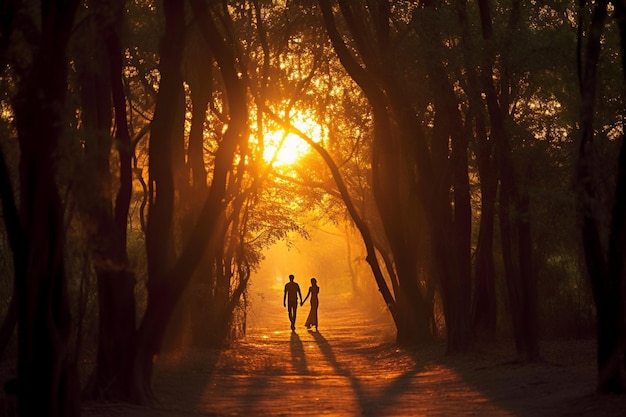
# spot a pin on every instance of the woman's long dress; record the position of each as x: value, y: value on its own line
x: 312, y: 319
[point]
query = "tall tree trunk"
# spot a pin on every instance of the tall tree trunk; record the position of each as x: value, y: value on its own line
x: 48, y: 383
x: 617, y: 237
x: 453, y: 227
x: 529, y: 278
x: 100, y: 74
x: 159, y: 232
x: 17, y: 243
x: 120, y: 289
x: 484, y: 306
x: 484, y: 309
x: 166, y: 285
x: 462, y: 238
x: 514, y: 207
x: 192, y: 186
x: 605, y: 274
x: 393, y: 159
x: 397, y: 206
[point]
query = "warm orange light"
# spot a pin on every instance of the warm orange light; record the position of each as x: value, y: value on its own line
x: 283, y: 149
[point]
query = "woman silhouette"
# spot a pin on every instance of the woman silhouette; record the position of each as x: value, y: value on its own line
x: 313, y: 292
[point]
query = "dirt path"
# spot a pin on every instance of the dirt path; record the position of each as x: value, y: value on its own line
x: 350, y: 367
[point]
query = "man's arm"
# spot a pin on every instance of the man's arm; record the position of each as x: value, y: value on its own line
x: 285, y: 297
x: 300, y: 294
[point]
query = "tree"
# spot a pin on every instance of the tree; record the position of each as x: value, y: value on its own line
x: 605, y: 264
x: 404, y: 175
x: 495, y: 158
x: 169, y: 274
x: 101, y: 91
x: 48, y: 383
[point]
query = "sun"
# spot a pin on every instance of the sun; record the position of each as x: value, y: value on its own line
x: 283, y: 149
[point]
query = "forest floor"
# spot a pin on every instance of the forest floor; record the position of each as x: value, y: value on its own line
x: 352, y: 367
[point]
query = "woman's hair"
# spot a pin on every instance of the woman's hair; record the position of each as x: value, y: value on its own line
x: 313, y: 281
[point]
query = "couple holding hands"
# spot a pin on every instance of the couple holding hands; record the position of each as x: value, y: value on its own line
x: 290, y: 300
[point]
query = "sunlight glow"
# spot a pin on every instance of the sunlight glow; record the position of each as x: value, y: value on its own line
x: 282, y: 149
x: 288, y: 152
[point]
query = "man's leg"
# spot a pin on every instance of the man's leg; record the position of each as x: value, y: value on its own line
x: 292, y: 315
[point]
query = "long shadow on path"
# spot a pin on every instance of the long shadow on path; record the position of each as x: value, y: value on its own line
x: 370, y: 401
x: 271, y: 389
x: 298, y: 358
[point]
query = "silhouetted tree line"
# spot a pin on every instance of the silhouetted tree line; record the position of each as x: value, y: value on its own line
x: 469, y: 145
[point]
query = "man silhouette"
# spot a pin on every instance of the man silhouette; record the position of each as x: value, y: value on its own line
x: 290, y: 300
